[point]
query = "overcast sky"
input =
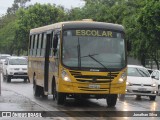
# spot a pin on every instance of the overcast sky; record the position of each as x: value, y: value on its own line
x: 4, y: 4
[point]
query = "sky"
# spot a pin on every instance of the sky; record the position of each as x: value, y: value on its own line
x: 4, y: 4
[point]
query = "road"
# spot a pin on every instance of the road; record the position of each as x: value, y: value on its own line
x: 39, y: 104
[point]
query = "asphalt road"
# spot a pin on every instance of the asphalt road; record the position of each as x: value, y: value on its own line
x: 23, y: 93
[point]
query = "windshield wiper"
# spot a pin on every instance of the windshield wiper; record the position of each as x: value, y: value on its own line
x: 91, y: 56
x: 79, y: 53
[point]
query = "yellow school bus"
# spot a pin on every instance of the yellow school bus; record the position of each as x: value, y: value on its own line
x: 78, y: 59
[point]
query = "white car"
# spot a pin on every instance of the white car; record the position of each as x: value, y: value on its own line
x: 2, y: 59
x: 15, y: 67
x: 139, y: 82
x: 156, y: 76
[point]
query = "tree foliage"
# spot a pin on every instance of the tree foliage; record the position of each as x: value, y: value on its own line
x: 32, y: 18
x: 16, y: 5
x: 140, y: 19
x: 149, y: 26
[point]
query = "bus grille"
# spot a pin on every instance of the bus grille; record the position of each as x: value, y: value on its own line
x: 94, y: 78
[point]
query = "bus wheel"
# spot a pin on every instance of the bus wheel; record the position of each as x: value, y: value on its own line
x: 61, y: 98
x: 43, y: 94
x: 36, y: 90
x: 54, y: 92
x: 111, y: 100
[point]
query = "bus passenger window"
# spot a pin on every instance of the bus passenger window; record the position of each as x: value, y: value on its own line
x: 35, y: 46
x: 51, y: 44
x: 33, y: 42
x: 43, y: 45
x: 31, y: 45
x: 39, y: 45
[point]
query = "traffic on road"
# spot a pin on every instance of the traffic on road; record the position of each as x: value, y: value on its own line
x: 23, y: 98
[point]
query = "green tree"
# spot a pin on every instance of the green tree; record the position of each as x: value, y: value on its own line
x: 35, y: 16
x: 16, y: 5
x: 149, y: 26
x: 7, y: 32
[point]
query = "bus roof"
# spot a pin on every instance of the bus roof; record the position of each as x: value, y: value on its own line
x: 78, y: 24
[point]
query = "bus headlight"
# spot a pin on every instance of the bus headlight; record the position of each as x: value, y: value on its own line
x: 65, y: 76
x: 123, y: 77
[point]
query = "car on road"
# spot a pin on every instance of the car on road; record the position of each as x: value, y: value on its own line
x: 15, y: 67
x: 156, y: 76
x: 4, y: 56
x: 139, y: 82
x: 2, y: 59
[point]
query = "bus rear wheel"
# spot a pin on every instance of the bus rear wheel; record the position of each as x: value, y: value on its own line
x: 36, y: 89
x: 111, y: 100
x: 54, y: 92
x: 61, y: 98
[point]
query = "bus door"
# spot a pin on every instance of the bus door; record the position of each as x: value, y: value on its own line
x: 46, y: 63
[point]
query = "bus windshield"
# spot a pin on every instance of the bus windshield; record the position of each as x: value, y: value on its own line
x: 93, y: 49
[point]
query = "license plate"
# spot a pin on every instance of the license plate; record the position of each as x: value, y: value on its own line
x: 94, y: 86
x: 141, y: 89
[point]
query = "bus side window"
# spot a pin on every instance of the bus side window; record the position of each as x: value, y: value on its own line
x: 35, y: 46
x: 30, y: 45
x: 43, y: 45
x: 51, y: 44
x: 39, y: 45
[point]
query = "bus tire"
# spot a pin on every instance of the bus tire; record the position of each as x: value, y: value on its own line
x: 36, y: 89
x: 61, y: 98
x: 111, y: 100
x: 54, y: 92
x: 43, y: 94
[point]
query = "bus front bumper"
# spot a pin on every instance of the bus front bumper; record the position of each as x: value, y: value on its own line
x: 92, y: 88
